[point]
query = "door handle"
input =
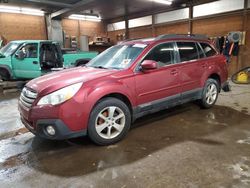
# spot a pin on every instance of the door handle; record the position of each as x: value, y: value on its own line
x: 35, y: 62
x: 174, y: 72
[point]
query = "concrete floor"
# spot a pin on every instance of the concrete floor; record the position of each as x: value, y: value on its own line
x: 181, y: 147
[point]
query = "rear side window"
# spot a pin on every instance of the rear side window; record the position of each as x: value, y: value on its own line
x: 187, y: 51
x: 163, y: 54
x: 208, y: 50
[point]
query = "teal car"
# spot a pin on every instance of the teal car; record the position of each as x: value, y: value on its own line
x: 33, y: 58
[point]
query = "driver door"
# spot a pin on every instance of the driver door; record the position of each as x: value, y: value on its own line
x: 160, y: 87
x: 28, y: 66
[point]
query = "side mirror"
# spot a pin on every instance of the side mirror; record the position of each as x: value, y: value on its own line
x: 20, y: 55
x: 149, y: 65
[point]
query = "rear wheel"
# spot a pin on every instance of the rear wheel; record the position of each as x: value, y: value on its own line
x: 109, y: 121
x: 210, y: 93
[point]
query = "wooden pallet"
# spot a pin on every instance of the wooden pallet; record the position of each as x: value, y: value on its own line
x: 11, y: 86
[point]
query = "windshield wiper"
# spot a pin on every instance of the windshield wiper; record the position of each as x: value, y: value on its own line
x: 100, y: 67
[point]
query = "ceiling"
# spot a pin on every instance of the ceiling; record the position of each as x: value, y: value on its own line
x: 107, y: 9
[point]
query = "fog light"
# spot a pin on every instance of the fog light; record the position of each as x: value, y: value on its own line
x: 51, y: 130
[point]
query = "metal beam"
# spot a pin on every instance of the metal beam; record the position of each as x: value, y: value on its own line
x: 80, y: 6
x: 190, y: 22
x: 53, y: 3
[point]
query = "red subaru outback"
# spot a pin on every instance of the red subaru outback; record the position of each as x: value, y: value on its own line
x: 123, y: 83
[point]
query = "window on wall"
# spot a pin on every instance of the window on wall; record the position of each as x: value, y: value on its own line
x: 163, y: 54
x: 208, y: 50
x: 188, y: 51
x: 138, y: 22
x: 217, y: 7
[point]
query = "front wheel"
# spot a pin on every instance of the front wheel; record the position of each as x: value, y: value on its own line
x: 210, y: 93
x: 4, y: 75
x: 109, y: 121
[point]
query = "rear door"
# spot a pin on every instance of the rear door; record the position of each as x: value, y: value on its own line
x: 192, y: 69
x: 29, y: 66
x: 161, y: 86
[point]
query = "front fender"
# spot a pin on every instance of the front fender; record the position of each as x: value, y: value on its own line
x: 92, y: 94
x: 97, y: 93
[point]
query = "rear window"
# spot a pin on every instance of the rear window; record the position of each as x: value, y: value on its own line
x: 208, y: 50
x: 187, y: 51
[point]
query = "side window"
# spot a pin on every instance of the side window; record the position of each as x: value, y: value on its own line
x: 208, y: 50
x: 187, y: 51
x: 163, y: 54
x: 30, y: 50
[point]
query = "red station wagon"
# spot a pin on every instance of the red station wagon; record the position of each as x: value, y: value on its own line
x: 121, y: 84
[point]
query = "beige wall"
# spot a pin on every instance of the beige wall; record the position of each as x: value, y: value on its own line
x: 77, y: 28
x: 20, y: 26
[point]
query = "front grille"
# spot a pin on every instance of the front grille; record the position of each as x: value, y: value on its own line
x: 27, y: 97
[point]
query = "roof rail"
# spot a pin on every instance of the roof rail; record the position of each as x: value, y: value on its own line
x: 180, y: 36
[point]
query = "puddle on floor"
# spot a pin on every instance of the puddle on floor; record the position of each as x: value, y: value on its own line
x: 241, y: 172
x: 76, y: 157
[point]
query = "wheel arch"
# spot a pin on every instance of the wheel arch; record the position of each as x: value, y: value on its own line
x: 216, y: 77
x: 7, y: 69
x: 121, y: 97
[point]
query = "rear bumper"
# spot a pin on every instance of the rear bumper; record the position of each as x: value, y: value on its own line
x: 62, y: 131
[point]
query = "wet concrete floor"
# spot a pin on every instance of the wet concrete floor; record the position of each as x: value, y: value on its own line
x: 181, y: 147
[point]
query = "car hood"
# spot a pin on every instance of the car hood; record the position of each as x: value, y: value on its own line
x: 54, y: 81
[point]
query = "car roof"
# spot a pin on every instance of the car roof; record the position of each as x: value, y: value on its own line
x: 30, y: 41
x: 169, y: 37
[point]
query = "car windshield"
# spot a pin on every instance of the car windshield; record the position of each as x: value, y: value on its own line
x: 117, y: 57
x: 9, y: 49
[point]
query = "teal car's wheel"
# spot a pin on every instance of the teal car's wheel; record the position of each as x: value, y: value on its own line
x: 4, y: 75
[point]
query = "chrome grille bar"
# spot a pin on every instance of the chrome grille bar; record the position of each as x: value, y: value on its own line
x: 27, y: 97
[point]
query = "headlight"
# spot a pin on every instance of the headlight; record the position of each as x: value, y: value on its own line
x: 61, y: 95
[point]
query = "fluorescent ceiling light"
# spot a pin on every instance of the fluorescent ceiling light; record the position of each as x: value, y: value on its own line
x: 166, y: 2
x: 85, y: 17
x: 19, y: 10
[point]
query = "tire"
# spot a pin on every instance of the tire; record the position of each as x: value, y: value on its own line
x: 210, y: 93
x: 4, y: 75
x: 105, y: 127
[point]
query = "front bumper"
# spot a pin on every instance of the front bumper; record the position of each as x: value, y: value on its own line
x: 62, y: 132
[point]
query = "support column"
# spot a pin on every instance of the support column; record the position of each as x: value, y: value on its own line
x: 126, y: 29
x: 54, y: 29
x: 153, y: 26
x: 79, y: 34
x: 48, y: 28
x: 244, y: 24
x: 190, y: 21
x: 243, y: 55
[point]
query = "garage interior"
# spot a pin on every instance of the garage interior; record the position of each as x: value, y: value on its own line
x: 185, y: 146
